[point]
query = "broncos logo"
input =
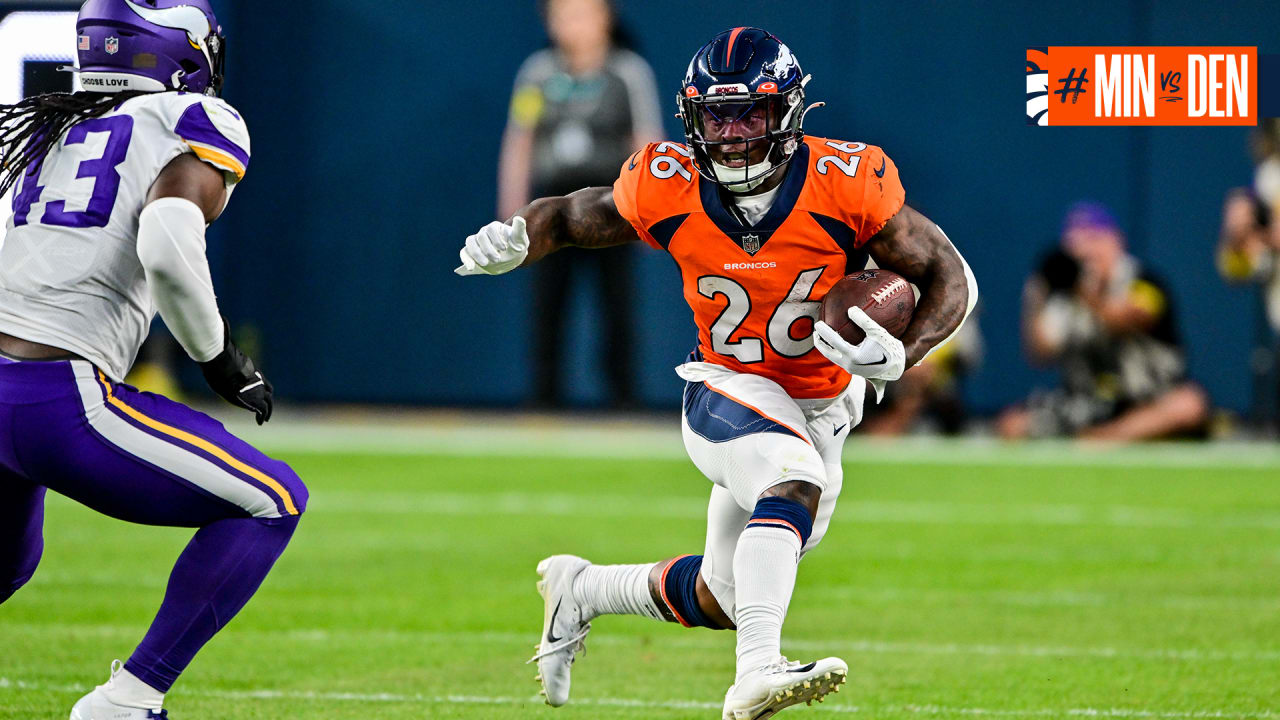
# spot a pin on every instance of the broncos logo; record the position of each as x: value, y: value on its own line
x: 1038, y: 86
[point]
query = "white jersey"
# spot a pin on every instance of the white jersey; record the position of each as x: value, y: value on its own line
x: 69, y: 270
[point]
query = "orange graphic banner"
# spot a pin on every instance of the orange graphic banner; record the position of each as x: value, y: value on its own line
x: 1142, y: 85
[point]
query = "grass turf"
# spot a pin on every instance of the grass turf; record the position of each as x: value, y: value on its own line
x: 952, y: 591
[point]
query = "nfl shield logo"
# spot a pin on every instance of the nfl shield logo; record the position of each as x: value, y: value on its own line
x: 113, y: 45
x: 751, y: 243
x: 84, y: 43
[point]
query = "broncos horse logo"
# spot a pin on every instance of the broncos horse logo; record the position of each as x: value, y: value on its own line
x: 1038, y: 86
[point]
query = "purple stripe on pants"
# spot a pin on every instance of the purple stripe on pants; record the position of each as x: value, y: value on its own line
x: 158, y: 407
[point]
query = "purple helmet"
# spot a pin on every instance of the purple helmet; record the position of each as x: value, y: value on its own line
x: 150, y: 45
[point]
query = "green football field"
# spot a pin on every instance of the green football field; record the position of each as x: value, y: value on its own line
x: 1002, y: 584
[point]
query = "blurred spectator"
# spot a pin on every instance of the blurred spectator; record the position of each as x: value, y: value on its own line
x: 580, y: 108
x: 155, y: 369
x: 1108, y: 324
x: 1249, y: 251
x: 930, y: 391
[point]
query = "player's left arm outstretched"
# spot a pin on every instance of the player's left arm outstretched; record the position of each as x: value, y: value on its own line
x: 913, y: 246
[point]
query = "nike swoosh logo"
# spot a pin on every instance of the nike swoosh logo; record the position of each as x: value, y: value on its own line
x: 551, y: 638
x: 806, y: 668
x: 880, y: 172
x: 881, y: 361
x: 632, y: 165
x: 837, y: 432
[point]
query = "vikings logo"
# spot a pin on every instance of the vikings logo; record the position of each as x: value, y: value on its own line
x: 1037, y: 86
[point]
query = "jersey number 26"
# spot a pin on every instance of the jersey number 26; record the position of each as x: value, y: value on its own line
x: 795, y: 306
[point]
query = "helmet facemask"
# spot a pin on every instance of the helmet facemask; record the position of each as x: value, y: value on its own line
x: 216, y: 50
x: 740, y: 138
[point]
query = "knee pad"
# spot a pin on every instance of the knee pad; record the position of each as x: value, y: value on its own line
x: 783, y: 514
x: 680, y: 591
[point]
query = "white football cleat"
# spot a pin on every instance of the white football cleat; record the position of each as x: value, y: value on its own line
x: 563, y: 629
x: 96, y: 706
x: 763, y: 692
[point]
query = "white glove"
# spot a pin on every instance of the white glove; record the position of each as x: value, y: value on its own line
x: 496, y: 249
x: 879, y: 358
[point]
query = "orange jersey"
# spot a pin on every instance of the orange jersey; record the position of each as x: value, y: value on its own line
x: 755, y: 290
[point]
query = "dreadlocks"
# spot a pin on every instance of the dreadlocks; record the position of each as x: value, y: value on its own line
x: 31, y: 127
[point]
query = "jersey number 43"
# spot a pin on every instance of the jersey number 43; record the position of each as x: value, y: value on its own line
x: 106, y: 180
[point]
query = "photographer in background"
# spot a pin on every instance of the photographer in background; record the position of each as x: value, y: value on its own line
x: 1094, y: 312
x: 1249, y: 251
x: 580, y: 107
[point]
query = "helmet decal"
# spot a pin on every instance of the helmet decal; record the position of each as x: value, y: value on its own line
x: 182, y: 17
x: 728, y: 50
x: 782, y: 64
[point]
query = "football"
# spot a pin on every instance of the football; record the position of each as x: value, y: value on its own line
x: 884, y: 295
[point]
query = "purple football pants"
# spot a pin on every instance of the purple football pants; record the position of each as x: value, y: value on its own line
x: 146, y: 459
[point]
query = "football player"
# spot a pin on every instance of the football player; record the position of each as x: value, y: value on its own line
x: 762, y: 222
x: 114, y: 187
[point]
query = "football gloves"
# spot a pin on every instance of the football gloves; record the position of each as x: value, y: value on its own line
x: 879, y: 358
x: 232, y: 375
x: 496, y: 249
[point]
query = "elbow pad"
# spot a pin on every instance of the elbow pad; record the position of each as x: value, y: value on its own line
x: 171, y: 247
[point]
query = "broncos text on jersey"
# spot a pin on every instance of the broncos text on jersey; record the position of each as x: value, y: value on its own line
x: 755, y: 289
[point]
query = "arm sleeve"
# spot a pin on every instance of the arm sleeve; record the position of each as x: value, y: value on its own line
x: 217, y: 134
x: 626, y: 194
x: 878, y: 197
x: 171, y: 248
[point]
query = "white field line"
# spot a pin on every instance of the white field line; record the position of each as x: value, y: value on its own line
x: 518, y: 435
x: 881, y: 710
x: 702, y: 641
x: 871, y: 595
x: 1018, y: 598
x: 1062, y: 598
x: 850, y: 510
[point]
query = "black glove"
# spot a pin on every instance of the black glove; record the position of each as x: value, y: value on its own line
x: 233, y: 376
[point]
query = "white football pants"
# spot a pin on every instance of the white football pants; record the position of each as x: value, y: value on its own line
x: 746, y: 435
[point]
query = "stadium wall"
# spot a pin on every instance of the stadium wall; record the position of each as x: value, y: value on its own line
x: 376, y: 129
